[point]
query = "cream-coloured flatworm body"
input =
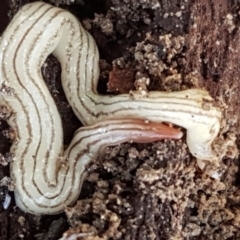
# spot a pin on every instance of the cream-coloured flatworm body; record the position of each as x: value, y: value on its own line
x: 43, y: 184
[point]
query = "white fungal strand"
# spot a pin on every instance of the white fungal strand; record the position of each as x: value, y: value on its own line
x: 44, y: 185
x: 7, y: 201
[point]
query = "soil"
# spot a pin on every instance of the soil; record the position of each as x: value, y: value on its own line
x: 145, y: 191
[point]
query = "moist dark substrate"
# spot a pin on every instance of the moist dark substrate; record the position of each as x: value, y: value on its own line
x: 146, y: 191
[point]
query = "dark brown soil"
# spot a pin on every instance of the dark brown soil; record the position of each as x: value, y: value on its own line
x: 146, y: 191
